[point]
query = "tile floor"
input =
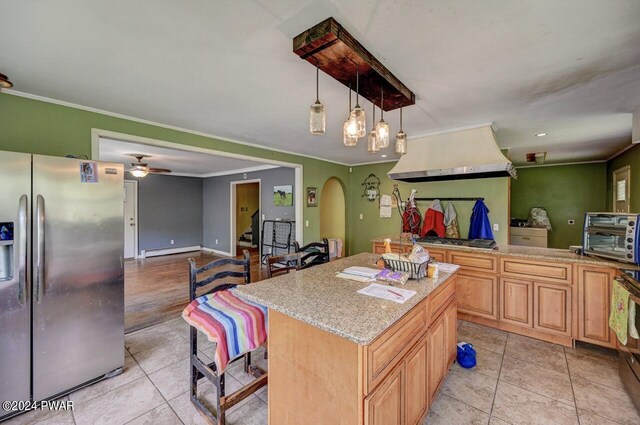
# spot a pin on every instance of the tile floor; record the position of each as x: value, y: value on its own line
x: 517, y: 380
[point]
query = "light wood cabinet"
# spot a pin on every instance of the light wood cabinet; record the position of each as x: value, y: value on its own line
x: 477, y: 294
x: 440, y: 255
x: 451, y: 334
x: 385, y: 405
x: 516, y: 305
x: 552, y: 308
x: 528, y: 236
x: 416, y: 390
x: 543, y: 271
x: 594, y: 301
x: 437, y: 355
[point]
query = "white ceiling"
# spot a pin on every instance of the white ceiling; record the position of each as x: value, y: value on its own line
x: 569, y: 68
x: 181, y: 163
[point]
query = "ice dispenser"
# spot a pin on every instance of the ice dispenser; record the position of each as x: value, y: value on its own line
x: 6, y: 251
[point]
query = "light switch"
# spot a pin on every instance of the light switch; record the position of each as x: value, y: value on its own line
x: 172, y: 241
x: 496, y: 227
x: 306, y: 223
x: 264, y: 217
x: 361, y: 216
x: 216, y: 242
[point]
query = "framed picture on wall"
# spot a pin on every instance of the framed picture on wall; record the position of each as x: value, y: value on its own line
x: 283, y: 196
x: 312, y: 196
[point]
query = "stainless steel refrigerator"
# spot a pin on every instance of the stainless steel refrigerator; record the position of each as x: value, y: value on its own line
x: 61, y: 274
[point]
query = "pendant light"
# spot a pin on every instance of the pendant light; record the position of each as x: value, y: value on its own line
x: 372, y: 140
x: 317, y: 116
x: 382, y: 128
x: 358, y: 113
x: 349, y: 137
x: 401, y: 139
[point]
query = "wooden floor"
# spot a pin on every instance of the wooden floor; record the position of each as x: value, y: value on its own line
x: 157, y: 288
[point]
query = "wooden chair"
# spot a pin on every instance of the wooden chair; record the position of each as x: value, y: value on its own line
x: 281, y: 264
x: 314, y: 253
x: 198, y: 367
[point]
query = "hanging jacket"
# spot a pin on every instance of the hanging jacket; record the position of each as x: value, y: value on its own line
x: 480, y: 227
x: 451, y: 222
x: 434, y: 220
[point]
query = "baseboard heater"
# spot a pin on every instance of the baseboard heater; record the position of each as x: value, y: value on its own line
x: 167, y: 251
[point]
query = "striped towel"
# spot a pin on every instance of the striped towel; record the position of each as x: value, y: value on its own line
x: 235, y: 325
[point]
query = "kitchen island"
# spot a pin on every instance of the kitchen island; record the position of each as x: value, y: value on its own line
x: 340, y: 357
x: 549, y: 294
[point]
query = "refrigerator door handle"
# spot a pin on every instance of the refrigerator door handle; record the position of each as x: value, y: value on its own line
x: 39, y: 221
x: 23, y: 225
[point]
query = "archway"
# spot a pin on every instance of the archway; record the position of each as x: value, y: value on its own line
x: 332, y: 210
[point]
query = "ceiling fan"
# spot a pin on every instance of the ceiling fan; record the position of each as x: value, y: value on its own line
x: 141, y: 169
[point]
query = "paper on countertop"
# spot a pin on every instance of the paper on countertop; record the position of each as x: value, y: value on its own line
x: 369, y: 272
x: 447, y: 267
x: 385, y: 206
x: 357, y: 278
x: 390, y: 293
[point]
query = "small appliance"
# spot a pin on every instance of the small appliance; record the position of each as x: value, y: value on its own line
x: 612, y: 235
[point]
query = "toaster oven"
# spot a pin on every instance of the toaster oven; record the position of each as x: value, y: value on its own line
x: 612, y: 235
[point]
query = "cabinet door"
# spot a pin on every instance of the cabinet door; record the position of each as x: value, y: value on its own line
x: 385, y: 406
x: 552, y: 308
x: 438, y: 255
x: 594, y: 304
x: 477, y: 294
x: 436, y: 355
x: 516, y: 306
x: 416, y: 393
x: 451, y: 335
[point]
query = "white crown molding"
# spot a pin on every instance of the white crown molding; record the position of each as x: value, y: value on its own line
x: 157, y: 124
x: 621, y: 151
x: 222, y: 173
x: 385, y: 161
x: 600, y: 161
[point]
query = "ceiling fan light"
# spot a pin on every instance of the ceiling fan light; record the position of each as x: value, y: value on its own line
x: 138, y: 171
x: 4, y: 82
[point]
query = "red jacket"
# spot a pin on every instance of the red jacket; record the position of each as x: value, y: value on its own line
x: 434, y: 221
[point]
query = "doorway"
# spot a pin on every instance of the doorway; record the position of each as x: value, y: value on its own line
x: 621, y: 190
x: 332, y: 210
x: 246, y: 201
x: 130, y: 219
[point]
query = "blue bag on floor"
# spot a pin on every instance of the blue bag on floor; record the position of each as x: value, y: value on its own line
x: 466, y: 355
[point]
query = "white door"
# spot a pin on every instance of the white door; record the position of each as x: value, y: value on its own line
x: 130, y: 218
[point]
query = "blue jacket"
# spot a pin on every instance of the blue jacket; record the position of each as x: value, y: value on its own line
x: 480, y: 227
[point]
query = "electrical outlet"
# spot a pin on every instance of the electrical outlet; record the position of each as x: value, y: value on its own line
x: 216, y: 242
x: 496, y: 227
x: 571, y: 222
x: 306, y: 223
x: 264, y: 217
x: 361, y: 216
x: 172, y: 241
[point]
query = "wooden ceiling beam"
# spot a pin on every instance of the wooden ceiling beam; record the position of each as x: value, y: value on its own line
x: 340, y: 55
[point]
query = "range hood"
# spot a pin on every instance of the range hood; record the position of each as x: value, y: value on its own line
x: 462, y: 154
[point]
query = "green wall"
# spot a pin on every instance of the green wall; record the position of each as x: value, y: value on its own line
x: 566, y: 192
x: 495, y: 191
x: 630, y: 157
x: 44, y: 128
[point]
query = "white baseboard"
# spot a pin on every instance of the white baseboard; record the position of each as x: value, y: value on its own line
x: 215, y: 251
x: 167, y: 251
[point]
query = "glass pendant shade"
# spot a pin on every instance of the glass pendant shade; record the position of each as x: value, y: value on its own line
x: 348, y: 133
x: 317, y: 118
x: 401, y: 139
x: 382, y: 134
x: 401, y: 143
x: 372, y: 142
x: 359, y: 120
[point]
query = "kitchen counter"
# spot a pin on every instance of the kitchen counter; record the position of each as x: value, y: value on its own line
x: 530, y: 253
x: 319, y: 298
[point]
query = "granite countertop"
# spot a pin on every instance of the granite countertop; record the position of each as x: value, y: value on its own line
x: 317, y: 297
x: 530, y: 253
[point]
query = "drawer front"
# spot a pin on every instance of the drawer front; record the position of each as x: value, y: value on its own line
x: 537, y: 241
x: 536, y: 270
x: 474, y: 262
x: 439, y: 301
x: 528, y: 231
x: 440, y: 255
x: 390, y: 347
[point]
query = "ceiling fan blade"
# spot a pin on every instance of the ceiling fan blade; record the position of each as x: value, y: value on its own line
x: 159, y: 170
